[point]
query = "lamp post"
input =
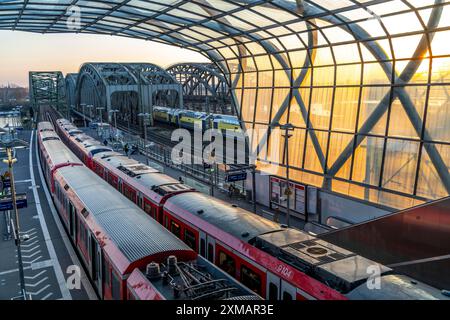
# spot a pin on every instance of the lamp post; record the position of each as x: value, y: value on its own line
x: 9, y: 146
x: 287, y: 128
x: 145, y: 117
x: 100, y: 114
x: 114, y: 112
x: 83, y: 105
x: 90, y: 107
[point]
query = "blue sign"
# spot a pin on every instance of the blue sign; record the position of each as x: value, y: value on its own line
x: 238, y: 176
x: 6, y: 203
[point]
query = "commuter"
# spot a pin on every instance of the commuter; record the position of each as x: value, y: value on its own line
x: 126, y: 149
x: 105, y: 142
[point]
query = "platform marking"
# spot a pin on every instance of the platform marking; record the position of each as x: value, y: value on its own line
x: 87, y: 285
x: 51, y: 250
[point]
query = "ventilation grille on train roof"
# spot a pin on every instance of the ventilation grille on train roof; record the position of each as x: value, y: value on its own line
x: 135, y: 170
x: 313, y: 252
x: 170, y: 188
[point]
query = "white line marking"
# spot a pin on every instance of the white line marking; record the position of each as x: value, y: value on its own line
x: 37, y: 283
x: 12, y: 271
x: 47, y: 296
x: 51, y: 250
x: 40, y: 291
x: 31, y: 255
x: 36, y: 275
x: 30, y: 250
x: 73, y: 256
x: 29, y: 244
x: 41, y: 264
x: 23, y: 181
x: 35, y: 259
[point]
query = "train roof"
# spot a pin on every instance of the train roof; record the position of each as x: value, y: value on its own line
x: 45, y: 126
x: 118, y: 160
x: 133, y: 232
x: 397, y: 287
x: 231, y: 219
x: 59, y: 153
x: 48, y: 135
x: 96, y: 148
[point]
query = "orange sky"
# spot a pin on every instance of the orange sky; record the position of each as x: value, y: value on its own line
x: 22, y: 52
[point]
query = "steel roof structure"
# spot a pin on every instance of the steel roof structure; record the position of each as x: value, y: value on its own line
x: 363, y: 82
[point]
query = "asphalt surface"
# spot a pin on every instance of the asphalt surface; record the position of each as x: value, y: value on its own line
x: 48, y: 255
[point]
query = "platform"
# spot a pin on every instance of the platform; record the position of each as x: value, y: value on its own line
x: 48, y: 252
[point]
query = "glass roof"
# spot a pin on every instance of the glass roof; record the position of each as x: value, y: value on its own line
x: 364, y: 82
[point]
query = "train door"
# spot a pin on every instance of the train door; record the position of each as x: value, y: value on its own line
x: 273, y: 287
x: 96, y: 254
x: 72, y: 217
x: 210, y: 249
x: 288, y: 291
x: 202, y: 244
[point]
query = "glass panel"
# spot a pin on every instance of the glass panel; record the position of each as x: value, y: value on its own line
x: 430, y: 183
x: 367, y: 164
x: 400, y: 165
x: 345, y: 109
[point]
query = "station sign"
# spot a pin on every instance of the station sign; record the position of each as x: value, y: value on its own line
x: 237, y: 176
x: 6, y: 202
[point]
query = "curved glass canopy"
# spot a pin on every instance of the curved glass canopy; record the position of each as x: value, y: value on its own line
x: 365, y: 83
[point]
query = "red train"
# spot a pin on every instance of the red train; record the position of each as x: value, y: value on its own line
x: 127, y: 254
x: 274, y: 261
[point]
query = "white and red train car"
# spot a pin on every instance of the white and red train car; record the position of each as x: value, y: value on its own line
x: 127, y: 254
x: 275, y: 262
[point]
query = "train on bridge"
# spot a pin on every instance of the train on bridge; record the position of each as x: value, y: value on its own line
x: 191, y: 120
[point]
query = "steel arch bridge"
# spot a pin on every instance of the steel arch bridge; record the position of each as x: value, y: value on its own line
x: 205, y: 87
x: 48, y: 89
x: 71, y: 87
x: 131, y: 88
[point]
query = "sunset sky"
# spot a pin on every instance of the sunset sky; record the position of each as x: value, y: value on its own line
x: 22, y: 52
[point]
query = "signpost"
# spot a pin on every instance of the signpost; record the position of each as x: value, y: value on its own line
x: 6, y: 202
x: 236, y: 176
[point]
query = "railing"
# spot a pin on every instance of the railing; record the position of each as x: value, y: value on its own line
x: 163, y: 155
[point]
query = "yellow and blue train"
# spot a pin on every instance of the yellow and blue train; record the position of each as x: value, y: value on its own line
x: 189, y: 119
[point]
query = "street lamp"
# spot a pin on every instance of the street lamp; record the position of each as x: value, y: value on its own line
x: 9, y: 146
x: 146, y: 117
x: 287, y: 128
x: 100, y: 114
x: 83, y: 105
x: 114, y: 112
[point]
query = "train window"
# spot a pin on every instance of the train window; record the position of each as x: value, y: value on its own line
x: 287, y: 296
x: 202, y: 247
x: 166, y: 221
x: 115, y: 287
x: 147, y: 208
x: 189, y: 239
x: 175, y: 229
x: 273, y: 291
x: 210, y: 253
x: 251, y: 279
x: 227, y: 263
